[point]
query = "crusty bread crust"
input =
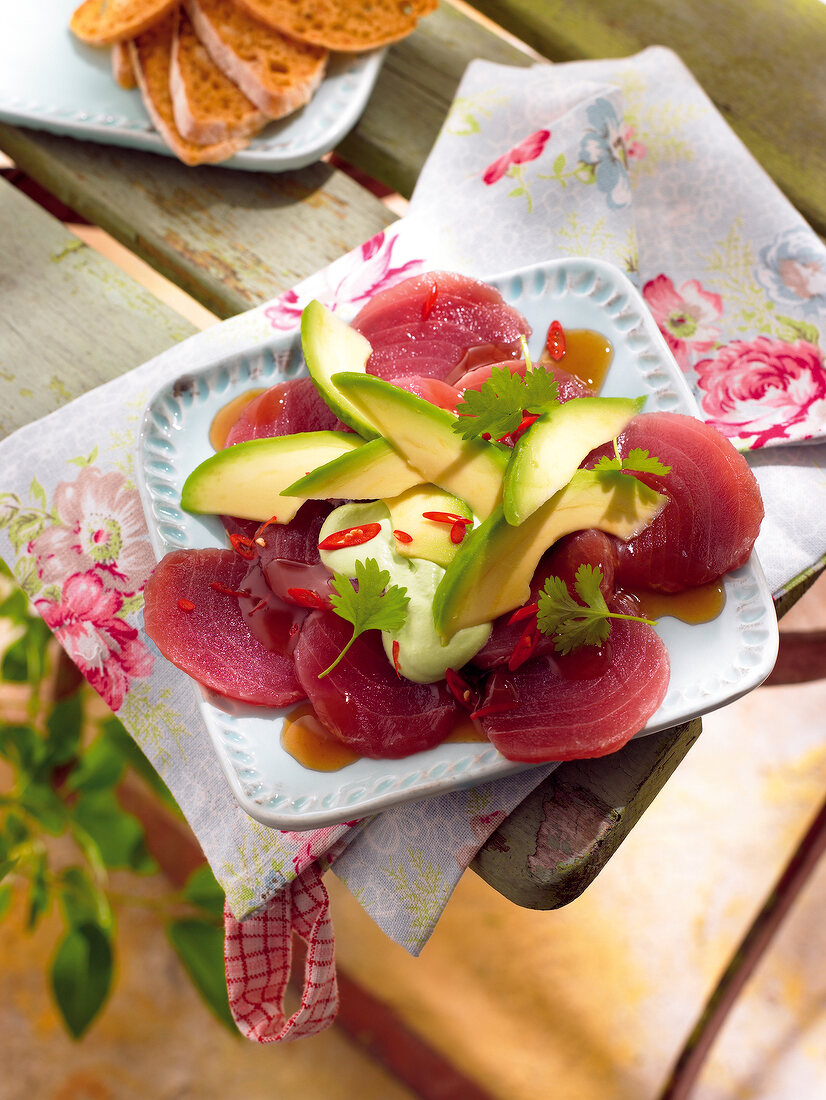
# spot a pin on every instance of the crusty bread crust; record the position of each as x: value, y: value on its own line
x: 207, y: 106
x: 122, y: 69
x: 344, y: 25
x: 277, y: 73
x: 151, y: 55
x: 105, y: 22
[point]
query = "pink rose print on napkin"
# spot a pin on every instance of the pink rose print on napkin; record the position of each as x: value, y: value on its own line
x: 766, y: 389
x: 101, y: 528
x: 104, y: 647
x: 352, y: 279
x: 685, y: 317
x: 528, y: 149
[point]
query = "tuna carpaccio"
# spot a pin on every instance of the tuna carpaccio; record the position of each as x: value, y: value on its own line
x: 254, y: 622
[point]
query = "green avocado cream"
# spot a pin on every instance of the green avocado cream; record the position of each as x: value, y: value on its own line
x: 422, y: 657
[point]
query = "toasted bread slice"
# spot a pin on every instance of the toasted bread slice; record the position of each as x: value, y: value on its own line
x: 344, y: 25
x: 122, y: 69
x: 206, y: 104
x: 104, y: 22
x: 277, y: 73
x: 151, y: 55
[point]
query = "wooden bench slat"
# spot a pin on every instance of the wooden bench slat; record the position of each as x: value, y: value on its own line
x: 230, y: 239
x: 71, y: 319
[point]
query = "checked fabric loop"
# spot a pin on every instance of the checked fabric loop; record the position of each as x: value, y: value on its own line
x: 258, y: 956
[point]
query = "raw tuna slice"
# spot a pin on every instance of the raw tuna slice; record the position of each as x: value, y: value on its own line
x: 714, y: 513
x: 210, y: 640
x: 587, y: 703
x: 568, y: 385
x: 411, y: 296
x: 362, y: 701
x: 431, y: 389
x: 582, y: 547
x: 290, y: 559
x: 283, y: 409
x: 425, y: 325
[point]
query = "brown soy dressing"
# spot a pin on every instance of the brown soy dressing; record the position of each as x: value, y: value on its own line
x: 588, y: 355
x: 693, y: 605
x: 308, y: 741
x: 227, y: 416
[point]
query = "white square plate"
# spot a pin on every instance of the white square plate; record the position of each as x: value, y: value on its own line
x: 49, y: 80
x: 711, y: 663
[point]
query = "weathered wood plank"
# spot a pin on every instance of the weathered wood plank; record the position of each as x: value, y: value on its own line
x: 230, y: 239
x: 762, y: 62
x: 561, y: 836
x: 414, y: 91
x: 70, y: 319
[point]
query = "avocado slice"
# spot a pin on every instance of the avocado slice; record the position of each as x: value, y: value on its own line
x: 246, y: 480
x: 547, y: 455
x: 370, y: 471
x: 331, y: 345
x: 429, y: 539
x: 472, y: 469
x: 492, y: 572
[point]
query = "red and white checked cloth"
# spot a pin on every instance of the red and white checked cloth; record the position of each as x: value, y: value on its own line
x: 258, y: 957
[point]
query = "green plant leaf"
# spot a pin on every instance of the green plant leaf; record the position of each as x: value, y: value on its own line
x: 6, y: 898
x: 82, y: 900
x: 39, y: 896
x: 49, y: 811
x: 81, y: 975
x: 64, y: 726
x: 101, y: 767
x: 118, y: 835
x: 6, y: 866
x: 21, y: 746
x: 200, y: 947
x: 202, y: 890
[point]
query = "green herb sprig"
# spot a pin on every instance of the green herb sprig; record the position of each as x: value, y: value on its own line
x: 371, y: 605
x: 500, y: 405
x: 573, y: 624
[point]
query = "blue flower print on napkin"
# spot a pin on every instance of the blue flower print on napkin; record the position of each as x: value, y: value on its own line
x: 793, y: 270
x: 603, y: 148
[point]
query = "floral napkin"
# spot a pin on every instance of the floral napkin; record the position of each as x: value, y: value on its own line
x: 622, y: 160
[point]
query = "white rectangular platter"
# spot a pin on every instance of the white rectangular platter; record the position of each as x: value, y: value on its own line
x: 711, y: 663
x: 49, y: 80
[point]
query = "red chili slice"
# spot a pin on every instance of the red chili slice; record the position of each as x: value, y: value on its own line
x: 555, y: 342
x: 243, y: 545
x: 494, y: 708
x: 219, y: 586
x: 430, y: 301
x: 523, y: 613
x: 395, y: 648
x: 185, y: 604
x: 446, y: 517
x: 350, y: 536
x: 402, y: 536
x: 524, y: 647
x: 457, y: 532
x: 524, y: 424
x: 461, y: 690
x: 307, y: 598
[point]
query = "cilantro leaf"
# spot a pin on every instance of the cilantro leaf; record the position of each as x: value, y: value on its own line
x: 499, y: 406
x: 637, y: 459
x: 573, y: 624
x: 371, y: 605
